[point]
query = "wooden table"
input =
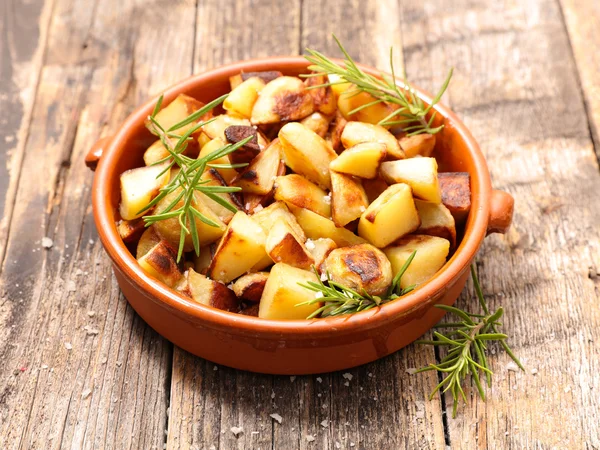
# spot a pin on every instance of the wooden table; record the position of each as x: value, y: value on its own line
x: 79, y: 369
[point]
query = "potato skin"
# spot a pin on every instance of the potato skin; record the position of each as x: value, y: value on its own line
x: 456, y: 194
x: 251, y: 286
x: 360, y: 267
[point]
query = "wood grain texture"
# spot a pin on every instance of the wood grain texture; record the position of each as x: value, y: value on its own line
x: 582, y: 19
x: 80, y: 368
x: 516, y: 87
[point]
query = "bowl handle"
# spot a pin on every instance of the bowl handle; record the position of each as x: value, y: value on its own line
x: 95, y: 152
x: 501, y: 212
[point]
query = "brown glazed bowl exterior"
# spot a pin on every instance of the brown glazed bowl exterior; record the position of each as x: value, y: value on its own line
x: 288, y: 347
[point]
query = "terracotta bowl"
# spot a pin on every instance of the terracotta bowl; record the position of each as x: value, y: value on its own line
x: 289, y: 347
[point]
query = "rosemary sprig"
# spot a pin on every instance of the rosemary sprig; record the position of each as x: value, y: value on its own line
x: 466, y: 354
x: 338, y: 299
x: 412, y: 112
x: 188, y: 180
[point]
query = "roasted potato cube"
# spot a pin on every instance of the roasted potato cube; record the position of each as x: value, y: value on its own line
x: 419, y: 144
x: 212, y: 146
x: 208, y: 292
x: 138, y: 187
x: 456, y: 194
x: 362, y: 160
x: 148, y: 240
x: 296, y: 190
x: 265, y: 76
x: 419, y: 173
x: 259, y: 176
x: 130, y: 230
x: 362, y: 267
x: 324, y: 99
x: 178, y: 110
x: 317, y: 122
x: 348, y: 199
x: 157, y: 151
x: 241, y: 99
x: 320, y: 249
x: 242, y: 246
x: 284, y: 246
x: 338, y: 86
x: 216, y: 128
x: 202, y: 261
x: 316, y: 226
x: 170, y: 229
x: 248, y: 152
x: 215, y: 179
x: 374, y: 188
x: 251, y: 286
x: 284, y: 98
x: 268, y: 216
x: 358, y: 132
x: 436, y: 220
x: 307, y: 153
x: 160, y: 262
x: 336, y: 128
x: 350, y: 100
x: 283, y: 293
x: 392, y: 215
x: 430, y: 257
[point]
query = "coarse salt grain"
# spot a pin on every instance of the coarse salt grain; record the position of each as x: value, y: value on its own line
x: 411, y: 370
x: 91, y: 313
x: 310, y: 438
x: 47, y: 242
x: 348, y: 376
x: 86, y: 393
x: 68, y: 346
x: 512, y: 367
x: 276, y: 417
x: 71, y: 286
x: 237, y: 430
x: 319, y: 294
x: 293, y: 378
x: 319, y: 379
x: 325, y: 423
x: 310, y: 244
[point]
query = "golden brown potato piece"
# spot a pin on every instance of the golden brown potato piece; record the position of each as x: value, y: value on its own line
x: 316, y: 226
x: 265, y: 76
x: 317, y: 122
x: 248, y: 152
x: 419, y: 173
x: 212, y: 146
x: 251, y: 286
x: 283, y: 293
x: 374, y: 188
x: 170, y: 229
x: 349, y: 100
x: 202, y: 261
x: 338, y: 85
x: 320, y: 249
x: 323, y: 97
x: 283, y: 99
x: 348, y: 199
x: 430, y: 257
x: 296, y: 190
x: 307, y: 153
x: 242, y: 246
x: 208, y: 292
x: 216, y: 128
x: 392, y: 215
x: 259, y: 176
x: 456, y: 194
x: 178, y: 110
x: 283, y: 245
x: 160, y: 262
x: 363, y: 268
x: 130, y: 230
x: 241, y: 99
x: 215, y: 179
x: 362, y: 160
x: 359, y: 132
x: 138, y: 187
x: 336, y: 129
x: 148, y: 240
x: 436, y: 220
x: 419, y: 144
x: 269, y: 215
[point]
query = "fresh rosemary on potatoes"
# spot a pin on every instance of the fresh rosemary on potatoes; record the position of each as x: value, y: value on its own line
x: 188, y: 179
x: 412, y: 112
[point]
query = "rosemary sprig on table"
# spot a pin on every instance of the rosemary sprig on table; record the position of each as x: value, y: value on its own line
x: 339, y: 299
x: 466, y: 341
x: 412, y: 112
x: 188, y: 180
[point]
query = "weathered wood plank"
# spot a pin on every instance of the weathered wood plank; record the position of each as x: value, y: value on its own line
x: 382, y: 404
x: 80, y: 369
x: 23, y: 31
x: 582, y: 19
x: 516, y: 87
